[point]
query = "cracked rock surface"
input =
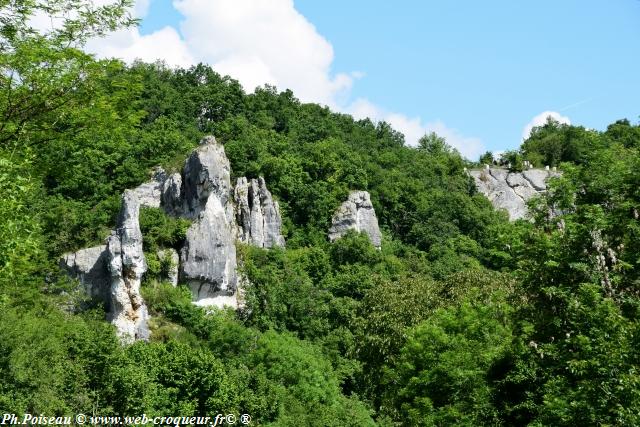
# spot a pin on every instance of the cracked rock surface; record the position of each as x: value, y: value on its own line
x: 257, y: 214
x: 356, y: 213
x: 511, y: 190
x: 206, y: 262
x: 150, y: 193
x: 126, y: 264
x: 208, y: 257
x: 89, y: 266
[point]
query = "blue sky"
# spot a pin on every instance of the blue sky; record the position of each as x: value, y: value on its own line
x: 477, y: 72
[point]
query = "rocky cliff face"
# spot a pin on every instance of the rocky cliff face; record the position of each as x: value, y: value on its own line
x: 206, y: 262
x: 112, y: 273
x: 126, y: 266
x: 511, y: 190
x: 171, y: 197
x: 150, y: 193
x: 208, y: 257
x: 257, y: 214
x: 356, y: 213
x: 89, y: 266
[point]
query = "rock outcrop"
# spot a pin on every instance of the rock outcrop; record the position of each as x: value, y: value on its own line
x: 257, y: 214
x: 206, y: 173
x: 207, y: 261
x: 150, y: 193
x: 356, y: 213
x: 511, y: 190
x: 89, y: 266
x: 538, y: 177
x: 128, y: 311
x: 208, y: 257
x: 171, y: 198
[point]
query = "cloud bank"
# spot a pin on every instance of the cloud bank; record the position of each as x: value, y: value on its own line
x: 256, y: 42
x: 261, y: 42
x: 414, y: 128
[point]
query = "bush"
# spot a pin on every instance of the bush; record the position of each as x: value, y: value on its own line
x: 160, y: 230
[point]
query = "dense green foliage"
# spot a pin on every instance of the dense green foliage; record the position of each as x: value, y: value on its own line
x: 554, y: 143
x: 462, y: 318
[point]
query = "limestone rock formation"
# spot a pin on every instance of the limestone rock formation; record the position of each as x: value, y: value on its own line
x: 537, y: 178
x: 128, y: 311
x: 89, y: 266
x: 171, y: 198
x: 257, y: 214
x: 356, y: 213
x: 207, y: 260
x: 150, y: 193
x: 208, y: 257
x: 511, y: 190
x: 207, y: 173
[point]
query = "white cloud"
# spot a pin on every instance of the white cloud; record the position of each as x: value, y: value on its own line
x: 541, y: 119
x: 470, y: 147
x: 129, y: 45
x: 261, y: 42
x: 254, y: 41
x: 414, y: 128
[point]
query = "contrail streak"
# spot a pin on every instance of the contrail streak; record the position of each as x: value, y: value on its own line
x: 575, y: 104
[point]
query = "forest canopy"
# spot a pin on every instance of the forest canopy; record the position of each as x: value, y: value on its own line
x: 462, y: 317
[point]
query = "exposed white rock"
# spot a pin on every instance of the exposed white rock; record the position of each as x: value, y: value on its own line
x: 208, y: 257
x: 89, y: 266
x: 257, y: 214
x: 150, y: 193
x: 271, y: 214
x: 207, y: 261
x: 356, y: 213
x: 511, y: 190
x: 537, y: 178
x: 128, y: 311
x: 219, y: 299
x: 521, y: 186
x: 207, y: 172
x: 244, y: 205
